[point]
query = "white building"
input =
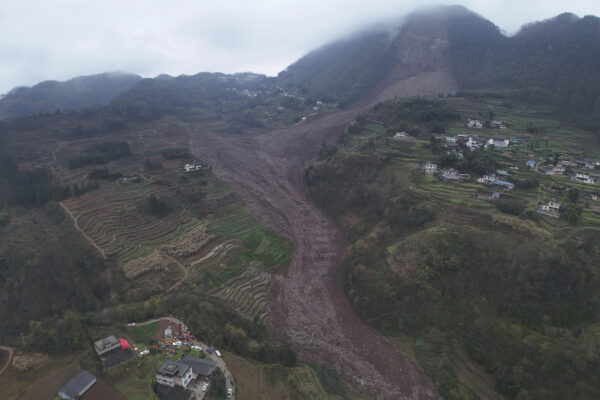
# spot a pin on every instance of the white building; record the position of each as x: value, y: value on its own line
x: 473, y: 123
x: 172, y: 373
x: 498, y: 142
x: 583, y: 178
x: 430, y: 168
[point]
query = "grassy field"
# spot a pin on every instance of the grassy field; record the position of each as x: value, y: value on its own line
x: 146, y: 331
x: 258, y: 381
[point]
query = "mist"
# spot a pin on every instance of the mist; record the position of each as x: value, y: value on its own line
x: 58, y: 40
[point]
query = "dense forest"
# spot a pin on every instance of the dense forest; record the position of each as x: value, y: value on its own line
x: 74, y: 94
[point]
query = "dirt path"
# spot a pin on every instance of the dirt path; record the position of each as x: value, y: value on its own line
x: 10, y: 352
x: 89, y: 239
x: 309, y: 309
x: 181, y: 267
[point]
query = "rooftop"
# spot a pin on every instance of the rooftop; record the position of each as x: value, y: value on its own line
x: 173, y: 368
x: 200, y: 366
x: 78, y: 384
x: 107, y: 342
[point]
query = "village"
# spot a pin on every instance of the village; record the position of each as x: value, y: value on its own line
x: 185, y: 373
x: 583, y: 171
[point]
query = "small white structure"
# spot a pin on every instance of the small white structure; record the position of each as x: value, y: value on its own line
x: 192, y: 167
x: 168, y: 333
x: 498, y: 142
x: 430, y: 168
x: 473, y: 123
x: 551, y: 209
x: 474, y: 142
x: 402, y: 136
x: 558, y: 170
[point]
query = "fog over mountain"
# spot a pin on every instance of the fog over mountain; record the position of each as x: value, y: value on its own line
x: 59, y: 40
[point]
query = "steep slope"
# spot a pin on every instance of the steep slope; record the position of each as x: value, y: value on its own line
x: 554, y: 61
x: 74, y: 94
x: 450, y: 48
x: 383, y: 57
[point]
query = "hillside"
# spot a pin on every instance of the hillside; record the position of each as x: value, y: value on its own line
x: 74, y: 94
x: 493, y: 298
x: 306, y: 228
x: 549, y: 62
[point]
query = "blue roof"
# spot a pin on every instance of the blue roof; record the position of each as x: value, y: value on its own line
x: 530, y: 162
x: 502, y: 183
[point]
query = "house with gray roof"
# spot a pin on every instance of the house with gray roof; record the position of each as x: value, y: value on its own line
x: 200, y: 366
x: 77, y: 386
x: 173, y: 373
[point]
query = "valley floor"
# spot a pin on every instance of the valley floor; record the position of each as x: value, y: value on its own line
x: 309, y: 308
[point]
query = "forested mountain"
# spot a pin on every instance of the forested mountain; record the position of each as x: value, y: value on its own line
x: 74, y: 94
x: 553, y: 61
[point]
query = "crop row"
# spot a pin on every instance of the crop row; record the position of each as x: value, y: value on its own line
x: 248, y: 292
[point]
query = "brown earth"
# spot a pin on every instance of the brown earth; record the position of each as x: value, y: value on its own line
x: 308, y: 307
x: 101, y: 391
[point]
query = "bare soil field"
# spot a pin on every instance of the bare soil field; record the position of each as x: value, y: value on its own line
x: 308, y: 307
x: 40, y: 383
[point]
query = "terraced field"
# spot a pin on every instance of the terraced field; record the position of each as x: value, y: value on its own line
x: 248, y: 292
x: 110, y: 216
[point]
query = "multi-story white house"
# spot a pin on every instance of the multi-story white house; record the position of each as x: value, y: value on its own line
x: 172, y: 373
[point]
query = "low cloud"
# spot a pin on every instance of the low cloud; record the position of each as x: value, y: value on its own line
x: 42, y: 40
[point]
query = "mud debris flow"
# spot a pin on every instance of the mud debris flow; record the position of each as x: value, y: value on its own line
x: 309, y: 309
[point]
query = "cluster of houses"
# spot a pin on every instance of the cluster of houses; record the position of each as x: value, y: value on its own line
x: 476, y: 124
x: 560, y: 169
x: 473, y: 141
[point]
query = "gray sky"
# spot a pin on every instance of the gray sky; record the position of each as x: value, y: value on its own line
x: 60, y: 39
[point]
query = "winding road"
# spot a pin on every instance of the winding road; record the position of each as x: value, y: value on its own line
x: 308, y: 307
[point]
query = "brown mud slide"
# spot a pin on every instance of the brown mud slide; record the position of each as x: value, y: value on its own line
x: 309, y: 309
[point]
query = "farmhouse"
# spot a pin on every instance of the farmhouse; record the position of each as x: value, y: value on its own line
x: 473, y: 123
x: 430, y: 168
x: 558, y: 170
x: 192, y: 167
x: 77, y: 386
x: 107, y: 344
x: 172, y: 373
x: 583, y: 178
x: 499, y: 142
x: 450, y: 175
x: 552, y: 209
x: 474, y: 142
x: 487, y: 179
x: 402, y: 136
x: 497, y: 125
x: 113, y: 351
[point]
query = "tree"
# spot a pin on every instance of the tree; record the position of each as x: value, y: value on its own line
x: 218, y: 385
x: 573, y: 195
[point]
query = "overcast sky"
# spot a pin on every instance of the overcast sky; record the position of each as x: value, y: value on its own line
x: 60, y: 39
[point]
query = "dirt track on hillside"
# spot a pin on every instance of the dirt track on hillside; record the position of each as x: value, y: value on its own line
x: 308, y: 307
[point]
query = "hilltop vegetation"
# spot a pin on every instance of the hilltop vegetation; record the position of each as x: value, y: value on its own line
x: 552, y: 62
x: 457, y: 279
x: 74, y: 94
